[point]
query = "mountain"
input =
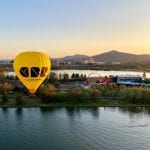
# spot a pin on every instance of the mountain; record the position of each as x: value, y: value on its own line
x: 116, y: 56
x: 75, y: 57
x: 111, y: 56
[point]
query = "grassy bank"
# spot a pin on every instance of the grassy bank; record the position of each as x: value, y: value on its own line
x: 110, y: 95
x: 102, y: 103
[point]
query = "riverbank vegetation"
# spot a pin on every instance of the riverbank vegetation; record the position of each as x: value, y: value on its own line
x: 110, y: 92
x: 108, y: 95
x: 53, y: 92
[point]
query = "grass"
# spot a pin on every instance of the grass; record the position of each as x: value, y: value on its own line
x: 99, y: 103
x: 10, y: 95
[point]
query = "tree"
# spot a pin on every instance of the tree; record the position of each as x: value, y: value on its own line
x: 2, y: 74
x: 48, y: 89
x: 73, y: 76
x: 53, y: 77
x: 6, y: 87
x: 4, y: 98
x: 85, y: 77
x: 60, y: 76
x: 77, y: 76
x: 144, y: 74
x: 46, y: 93
x: 66, y: 76
x: 81, y: 77
x: 18, y: 100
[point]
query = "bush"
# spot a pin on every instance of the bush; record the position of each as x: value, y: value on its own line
x: 94, y: 94
x: 131, y: 95
x: 75, y: 95
x: 104, y: 90
x: 18, y: 100
x: 84, y: 95
x: 4, y: 98
x: 45, y: 97
x: 61, y: 97
x: 136, y: 95
x: 47, y: 93
x: 146, y: 96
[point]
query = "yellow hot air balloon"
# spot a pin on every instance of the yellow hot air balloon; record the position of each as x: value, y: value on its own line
x: 32, y: 67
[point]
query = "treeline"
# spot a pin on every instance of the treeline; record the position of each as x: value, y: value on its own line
x: 50, y: 94
x: 122, y: 66
x: 66, y: 77
x: 103, y: 95
x: 13, y: 84
x: 109, y: 95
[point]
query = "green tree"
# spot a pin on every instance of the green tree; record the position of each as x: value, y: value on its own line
x: 53, y: 77
x: 77, y: 76
x: 6, y: 87
x: 66, y: 76
x: 73, y: 76
x: 4, y: 98
x: 18, y: 100
x: 47, y: 92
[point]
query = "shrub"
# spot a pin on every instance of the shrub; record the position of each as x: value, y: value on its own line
x: 104, y: 90
x: 4, y: 98
x: 18, y: 100
x: 94, y: 94
x: 47, y: 93
x: 136, y: 95
x: 75, y: 95
x: 146, y: 96
x: 61, y: 97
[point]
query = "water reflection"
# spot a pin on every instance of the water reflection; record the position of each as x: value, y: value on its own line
x: 77, y: 111
x: 134, y: 110
x: 19, y: 112
x: 5, y: 110
x: 73, y: 111
x: 131, y: 111
x: 94, y: 111
x: 47, y: 110
x: 75, y: 128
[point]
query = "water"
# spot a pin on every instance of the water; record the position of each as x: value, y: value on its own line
x: 95, y: 72
x: 91, y: 128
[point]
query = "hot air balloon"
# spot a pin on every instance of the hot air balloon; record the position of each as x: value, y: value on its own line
x: 32, y: 67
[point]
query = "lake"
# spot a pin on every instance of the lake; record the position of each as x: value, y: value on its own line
x: 95, y: 72
x: 75, y: 128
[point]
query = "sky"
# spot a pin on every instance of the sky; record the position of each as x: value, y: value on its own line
x: 68, y: 27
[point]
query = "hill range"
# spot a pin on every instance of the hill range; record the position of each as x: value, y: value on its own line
x: 111, y: 56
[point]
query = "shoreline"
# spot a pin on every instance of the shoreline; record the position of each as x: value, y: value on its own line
x: 71, y: 105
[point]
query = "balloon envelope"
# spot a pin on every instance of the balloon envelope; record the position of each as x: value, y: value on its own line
x: 32, y: 68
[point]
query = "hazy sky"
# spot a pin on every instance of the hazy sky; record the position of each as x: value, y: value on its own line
x: 67, y: 27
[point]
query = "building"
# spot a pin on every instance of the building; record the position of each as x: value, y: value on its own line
x: 131, y: 80
x: 89, y: 61
x: 116, y: 63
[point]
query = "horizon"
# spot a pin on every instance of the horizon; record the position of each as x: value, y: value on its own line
x: 81, y: 54
x: 61, y: 28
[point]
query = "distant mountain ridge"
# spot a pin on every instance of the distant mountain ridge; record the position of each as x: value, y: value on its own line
x: 75, y: 57
x: 116, y: 56
x: 111, y: 56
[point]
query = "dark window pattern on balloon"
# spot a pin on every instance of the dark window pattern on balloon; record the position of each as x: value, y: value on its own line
x: 35, y: 71
x: 24, y: 71
x: 43, y: 71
